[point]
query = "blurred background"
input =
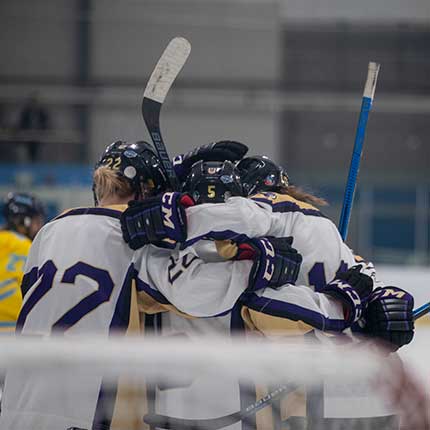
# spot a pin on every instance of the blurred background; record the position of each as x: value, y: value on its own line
x: 285, y: 77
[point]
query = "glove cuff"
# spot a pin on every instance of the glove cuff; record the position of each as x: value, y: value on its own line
x: 349, y: 298
x: 174, y: 216
x: 264, y: 264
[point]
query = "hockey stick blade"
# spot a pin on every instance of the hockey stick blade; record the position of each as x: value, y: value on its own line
x: 166, y: 422
x: 165, y: 72
x: 167, y: 69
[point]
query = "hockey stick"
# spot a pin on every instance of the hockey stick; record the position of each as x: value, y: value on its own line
x: 366, y: 105
x: 421, y: 311
x: 167, y: 69
x: 166, y: 422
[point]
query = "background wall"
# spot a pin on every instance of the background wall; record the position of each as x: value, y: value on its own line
x: 283, y: 76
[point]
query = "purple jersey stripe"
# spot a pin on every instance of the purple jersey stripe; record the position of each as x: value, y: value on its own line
x: 217, y: 235
x: 289, y: 207
x: 91, y: 211
x: 121, y: 316
x: 294, y: 312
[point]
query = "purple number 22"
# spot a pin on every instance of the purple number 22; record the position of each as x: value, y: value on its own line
x: 45, y: 279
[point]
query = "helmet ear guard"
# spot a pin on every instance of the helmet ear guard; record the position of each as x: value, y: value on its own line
x: 213, y: 182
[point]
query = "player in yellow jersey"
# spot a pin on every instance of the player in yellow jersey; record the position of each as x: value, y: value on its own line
x: 24, y: 216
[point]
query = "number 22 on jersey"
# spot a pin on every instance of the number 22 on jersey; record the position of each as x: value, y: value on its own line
x: 87, y: 304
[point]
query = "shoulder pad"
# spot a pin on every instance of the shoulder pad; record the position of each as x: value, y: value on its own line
x: 286, y: 203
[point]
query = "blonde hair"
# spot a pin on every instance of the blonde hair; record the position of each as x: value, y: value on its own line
x: 108, y: 184
x: 303, y: 196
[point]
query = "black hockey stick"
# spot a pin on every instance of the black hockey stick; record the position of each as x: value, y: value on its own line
x: 167, y: 69
x: 166, y: 422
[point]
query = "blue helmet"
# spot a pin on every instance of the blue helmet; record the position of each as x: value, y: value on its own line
x: 20, y: 208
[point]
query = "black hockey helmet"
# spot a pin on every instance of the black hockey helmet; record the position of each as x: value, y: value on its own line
x: 260, y: 173
x: 138, y: 163
x: 213, y: 181
x: 20, y: 208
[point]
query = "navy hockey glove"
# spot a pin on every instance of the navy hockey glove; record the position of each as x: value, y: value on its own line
x: 159, y: 220
x: 353, y: 289
x: 223, y: 150
x: 390, y: 316
x: 276, y: 262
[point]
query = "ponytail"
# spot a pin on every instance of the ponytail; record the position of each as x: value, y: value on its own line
x: 299, y: 194
x: 107, y: 183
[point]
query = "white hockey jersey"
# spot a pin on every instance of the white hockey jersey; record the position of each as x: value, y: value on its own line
x: 79, y: 280
x: 283, y: 312
x: 288, y: 311
x: 269, y: 214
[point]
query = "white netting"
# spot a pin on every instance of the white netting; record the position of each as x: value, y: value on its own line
x: 91, y: 383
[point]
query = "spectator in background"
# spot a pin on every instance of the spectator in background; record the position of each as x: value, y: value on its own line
x: 34, y: 118
x: 24, y: 216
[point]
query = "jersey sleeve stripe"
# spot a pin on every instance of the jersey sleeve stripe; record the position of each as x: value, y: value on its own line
x: 7, y: 324
x: 294, y: 312
x: 216, y: 235
x: 7, y: 294
x: 289, y: 207
x: 121, y: 315
x: 156, y: 295
x: 7, y: 282
x: 160, y: 298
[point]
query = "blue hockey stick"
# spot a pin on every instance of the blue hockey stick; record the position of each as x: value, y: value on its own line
x: 366, y: 105
x: 421, y: 311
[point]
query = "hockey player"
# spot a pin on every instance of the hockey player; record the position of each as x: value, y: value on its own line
x: 264, y: 311
x: 24, y: 216
x: 315, y: 236
x: 279, y: 209
x: 389, y: 315
x: 239, y: 218
x: 81, y: 278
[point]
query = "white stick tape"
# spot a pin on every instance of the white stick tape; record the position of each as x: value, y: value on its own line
x: 168, y: 67
x: 372, y: 77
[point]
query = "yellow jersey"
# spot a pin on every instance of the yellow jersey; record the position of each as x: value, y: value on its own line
x: 14, y: 249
